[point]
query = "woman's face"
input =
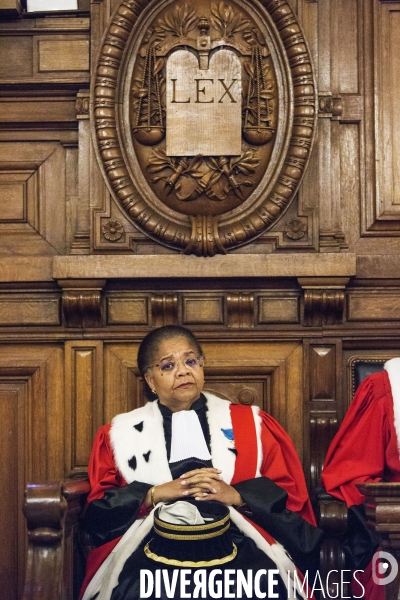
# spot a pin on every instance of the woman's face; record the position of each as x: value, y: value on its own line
x: 179, y: 387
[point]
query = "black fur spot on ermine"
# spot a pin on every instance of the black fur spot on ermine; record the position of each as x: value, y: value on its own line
x: 132, y: 462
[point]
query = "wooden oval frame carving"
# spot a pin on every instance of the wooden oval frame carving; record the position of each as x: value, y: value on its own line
x: 205, y: 235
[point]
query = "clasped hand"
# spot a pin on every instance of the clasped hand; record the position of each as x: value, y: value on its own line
x: 201, y: 484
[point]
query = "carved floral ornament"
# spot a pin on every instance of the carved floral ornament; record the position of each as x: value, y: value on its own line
x: 204, y: 117
x: 295, y: 229
x: 112, y: 230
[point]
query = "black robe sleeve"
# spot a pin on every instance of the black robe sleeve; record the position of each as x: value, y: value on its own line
x: 112, y: 515
x: 265, y: 504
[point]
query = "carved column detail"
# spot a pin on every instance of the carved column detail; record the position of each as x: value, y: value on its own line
x: 81, y: 241
x: 82, y: 303
x: 323, y: 388
x: 331, y: 238
x: 82, y: 104
x: 323, y: 426
x: 323, y: 307
x: 240, y: 310
x: 323, y: 300
x: 164, y: 309
x: 330, y: 106
x: 204, y: 240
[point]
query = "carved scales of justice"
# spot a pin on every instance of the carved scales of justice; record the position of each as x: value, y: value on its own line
x: 195, y: 199
x: 200, y: 112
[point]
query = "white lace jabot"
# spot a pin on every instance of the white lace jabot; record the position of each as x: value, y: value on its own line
x: 187, y: 438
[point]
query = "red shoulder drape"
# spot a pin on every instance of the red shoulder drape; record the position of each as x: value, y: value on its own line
x: 365, y: 448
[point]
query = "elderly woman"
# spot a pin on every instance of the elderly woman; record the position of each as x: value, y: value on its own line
x: 191, y: 482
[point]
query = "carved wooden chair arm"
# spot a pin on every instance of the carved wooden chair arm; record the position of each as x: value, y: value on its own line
x: 52, y: 512
x: 332, y: 519
x: 332, y: 516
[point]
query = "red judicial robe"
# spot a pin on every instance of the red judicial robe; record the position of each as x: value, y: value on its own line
x: 366, y: 448
x: 280, y: 464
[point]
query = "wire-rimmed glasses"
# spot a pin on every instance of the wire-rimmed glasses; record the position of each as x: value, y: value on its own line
x: 191, y: 362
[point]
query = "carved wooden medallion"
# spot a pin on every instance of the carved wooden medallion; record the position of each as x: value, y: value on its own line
x: 204, y: 118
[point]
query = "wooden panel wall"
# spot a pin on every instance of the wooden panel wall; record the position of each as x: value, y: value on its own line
x: 31, y: 442
x: 83, y: 401
x: 284, y: 342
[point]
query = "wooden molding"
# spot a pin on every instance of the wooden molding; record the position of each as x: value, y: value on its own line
x: 82, y: 308
x: 10, y: 8
x: 323, y: 307
x: 240, y: 309
x: 334, y: 240
x: 24, y: 269
x: 324, y: 266
x: 330, y: 106
x: 81, y: 303
x: 383, y: 510
x: 323, y: 300
x: 82, y: 104
x: 323, y: 390
x: 203, y: 309
x: 81, y: 238
x: 380, y: 210
x: 128, y: 308
x: 33, y: 180
x: 164, y: 309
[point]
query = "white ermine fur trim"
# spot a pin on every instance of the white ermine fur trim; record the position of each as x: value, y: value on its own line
x: 139, y: 435
x: 106, y: 577
x: 393, y: 370
x: 258, y: 423
x: 147, y: 437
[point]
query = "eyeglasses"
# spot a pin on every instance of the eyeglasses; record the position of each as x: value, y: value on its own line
x: 191, y: 362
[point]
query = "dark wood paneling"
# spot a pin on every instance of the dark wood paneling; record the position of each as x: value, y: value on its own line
x: 31, y: 443
x: 84, y: 401
x: 12, y: 450
x: 323, y: 389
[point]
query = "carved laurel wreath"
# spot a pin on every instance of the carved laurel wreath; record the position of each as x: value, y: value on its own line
x: 204, y: 234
